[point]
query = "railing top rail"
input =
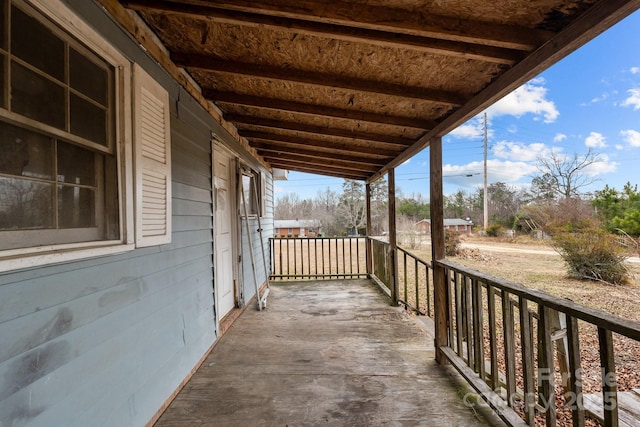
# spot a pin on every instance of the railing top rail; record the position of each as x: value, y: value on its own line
x: 414, y: 256
x: 591, y: 315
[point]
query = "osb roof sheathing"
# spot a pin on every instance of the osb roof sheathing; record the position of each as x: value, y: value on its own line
x: 307, y: 80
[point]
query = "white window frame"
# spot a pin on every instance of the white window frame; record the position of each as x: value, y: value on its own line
x: 57, y: 12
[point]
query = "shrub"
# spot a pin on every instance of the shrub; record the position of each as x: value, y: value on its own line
x: 494, y: 230
x: 592, y: 255
x: 451, y: 242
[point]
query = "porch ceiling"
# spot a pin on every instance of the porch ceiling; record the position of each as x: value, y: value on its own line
x: 352, y: 88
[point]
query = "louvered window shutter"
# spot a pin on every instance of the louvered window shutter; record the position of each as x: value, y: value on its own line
x: 152, y: 151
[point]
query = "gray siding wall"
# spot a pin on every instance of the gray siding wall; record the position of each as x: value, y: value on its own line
x: 105, y: 341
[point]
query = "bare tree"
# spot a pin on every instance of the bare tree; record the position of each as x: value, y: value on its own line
x: 566, y: 174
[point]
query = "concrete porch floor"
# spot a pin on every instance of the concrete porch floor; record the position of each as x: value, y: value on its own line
x: 323, y: 353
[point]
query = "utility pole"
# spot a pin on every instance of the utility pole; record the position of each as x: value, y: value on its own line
x: 485, y: 195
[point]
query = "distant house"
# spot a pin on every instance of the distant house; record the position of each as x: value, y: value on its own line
x: 296, y: 228
x: 455, y: 224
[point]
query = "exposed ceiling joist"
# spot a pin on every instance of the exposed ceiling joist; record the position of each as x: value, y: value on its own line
x: 366, y: 164
x: 320, y: 161
x: 210, y: 63
x: 341, y: 32
x: 381, y: 18
x: 362, y: 149
x: 316, y: 110
x: 319, y: 170
x: 239, y: 120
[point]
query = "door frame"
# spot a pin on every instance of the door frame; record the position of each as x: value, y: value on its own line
x: 234, y: 226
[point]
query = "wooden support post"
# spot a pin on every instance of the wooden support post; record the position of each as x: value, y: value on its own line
x: 393, y: 242
x: 441, y: 294
x: 368, y: 254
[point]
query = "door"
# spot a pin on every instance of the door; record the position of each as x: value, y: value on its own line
x: 224, y: 234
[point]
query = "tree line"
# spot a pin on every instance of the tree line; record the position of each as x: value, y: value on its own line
x: 554, y: 199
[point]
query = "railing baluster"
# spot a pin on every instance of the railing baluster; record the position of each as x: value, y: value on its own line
x: 546, y: 366
x: 527, y: 361
x: 478, y: 330
x: 406, y: 293
x: 575, y: 372
x: 417, y: 283
x: 609, y: 385
x: 494, y: 379
x: 468, y: 320
x: 509, y: 346
x: 459, y: 304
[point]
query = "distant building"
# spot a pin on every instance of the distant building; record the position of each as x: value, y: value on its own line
x: 296, y: 228
x: 455, y: 224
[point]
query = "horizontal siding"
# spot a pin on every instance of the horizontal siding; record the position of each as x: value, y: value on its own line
x: 105, y: 341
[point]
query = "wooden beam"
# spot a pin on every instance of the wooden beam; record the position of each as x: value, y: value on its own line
x: 317, y: 79
x: 339, y: 32
x: 415, y: 22
x: 441, y: 304
x: 316, y: 110
x: 393, y: 235
x: 587, y: 26
x: 320, y: 162
x: 319, y: 143
x: 327, y: 171
x: 317, y: 157
x: 240, y: 119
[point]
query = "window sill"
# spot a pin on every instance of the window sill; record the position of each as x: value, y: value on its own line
x: 19, y: 259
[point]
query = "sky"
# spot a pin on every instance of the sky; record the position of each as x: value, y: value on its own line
x: 590, y: 99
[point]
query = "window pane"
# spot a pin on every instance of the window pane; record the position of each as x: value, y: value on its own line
x: 36, y: 44
x: 25, y: 204
x: 36, y: 97
x: 76, y: 165
x: 25, y: 153
x: 76, y: 207
x: 86, y: 77
x: 88, y: 121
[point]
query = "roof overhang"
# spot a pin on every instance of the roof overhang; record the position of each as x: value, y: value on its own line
x: 354, y: 88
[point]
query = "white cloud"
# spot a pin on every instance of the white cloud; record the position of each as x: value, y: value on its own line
x: 595, y: 100
x: 519, y: 152
x: 559, y: 137
x: 595, y: 140
x: 528, y: 98
x: 470, y: 130
x: 633, y: 100
x: 634, y: 70
x: 619, y: 146
x: 602, y: 166
x: 632, y: 137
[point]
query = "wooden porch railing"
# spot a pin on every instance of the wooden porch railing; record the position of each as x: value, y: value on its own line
x: 502, y: 337
x: 415, y: 287
x: 318, y: 258
x: 516, y: 346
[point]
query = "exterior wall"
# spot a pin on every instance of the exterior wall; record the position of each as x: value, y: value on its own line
x: 106, y: 341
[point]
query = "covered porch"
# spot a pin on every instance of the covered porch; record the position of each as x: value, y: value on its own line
x: 330, y: 352
x: 353, y: 89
